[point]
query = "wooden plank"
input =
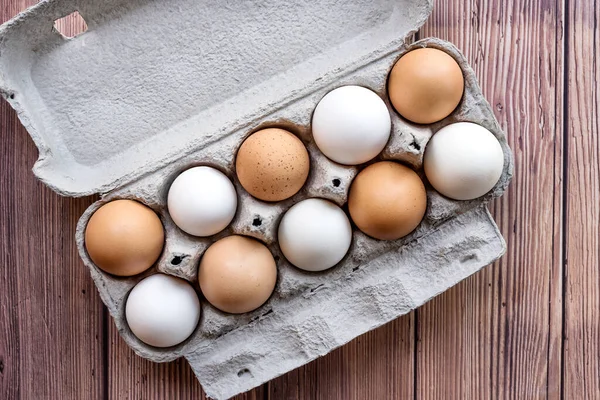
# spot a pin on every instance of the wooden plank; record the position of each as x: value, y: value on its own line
x: 377, y: 365
x: 497, y: 335
x: 51, y: 317
x: 582, y: 220
x: 132, y: 377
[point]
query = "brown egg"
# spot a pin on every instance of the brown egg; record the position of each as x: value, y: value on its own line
x: 124, y: 237
x: 272, y: 164
x: 387, y: 200
x: 426, y: 85
x: 237, y: 274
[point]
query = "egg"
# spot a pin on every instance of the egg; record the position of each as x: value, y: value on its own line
x: 162, y: 310
x: 387, y: 200
x: 351, y: 125
x: 463, y: 161
x: 202, y: 201
x: 314, y: 234
x: 124, y: 237
x: 237, y: 274
x: 426, y: 85
x: 272, y: 164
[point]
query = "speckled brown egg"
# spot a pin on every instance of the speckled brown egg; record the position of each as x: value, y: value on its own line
x: 387, y: 200
x: 124, y: 237
x: 272, y: 164
x: 237, y: 274
x: 426, y: 85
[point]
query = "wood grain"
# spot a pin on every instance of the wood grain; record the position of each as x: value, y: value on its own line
x: 582, y: 219
x: 497, y: 335
x: 71, y: 25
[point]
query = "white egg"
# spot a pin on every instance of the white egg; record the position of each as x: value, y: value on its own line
x: 202, y: 201
x: 463, y: 161
x: 162, y: 310
x: 314, y: 235
x: 351, y: 125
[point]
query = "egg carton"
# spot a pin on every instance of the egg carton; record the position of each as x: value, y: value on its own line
x: 154, y: 88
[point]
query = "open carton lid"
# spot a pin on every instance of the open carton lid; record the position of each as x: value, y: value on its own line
x: 152, y: 81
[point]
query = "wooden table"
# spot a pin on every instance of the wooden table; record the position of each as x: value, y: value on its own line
x: 527, y: 327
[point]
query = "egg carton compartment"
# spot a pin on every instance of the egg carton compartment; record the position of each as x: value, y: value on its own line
x: 178, y: 100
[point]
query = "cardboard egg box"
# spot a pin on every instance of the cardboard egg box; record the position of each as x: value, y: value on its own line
x: 154, y: 88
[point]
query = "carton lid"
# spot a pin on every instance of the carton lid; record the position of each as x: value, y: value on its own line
x: 151, y: 81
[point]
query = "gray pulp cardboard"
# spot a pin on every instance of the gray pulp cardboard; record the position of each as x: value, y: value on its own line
x: 155, y: 87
